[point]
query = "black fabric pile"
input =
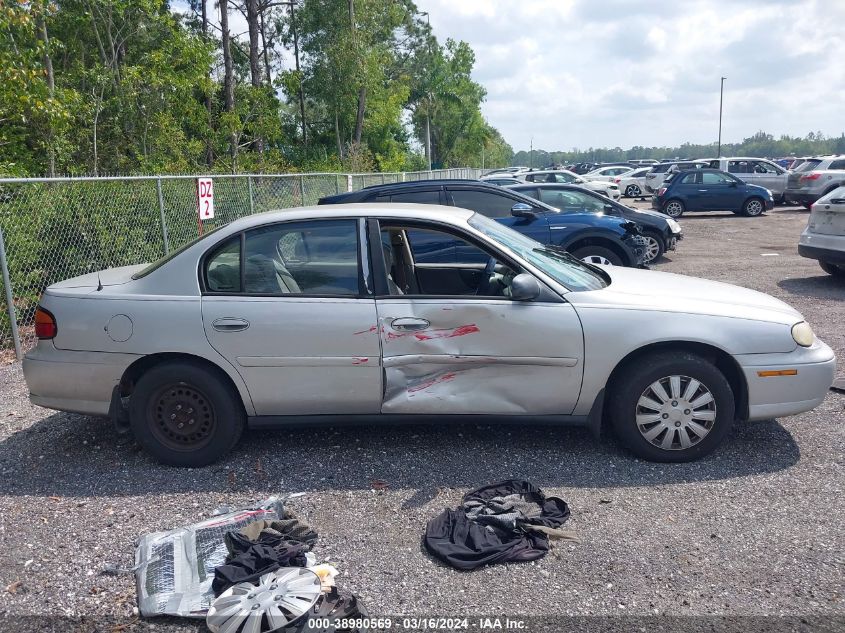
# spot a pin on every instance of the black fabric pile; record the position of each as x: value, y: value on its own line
x: 510, y: 521
x: 262, y: 547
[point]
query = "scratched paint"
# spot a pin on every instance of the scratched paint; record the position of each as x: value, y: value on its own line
x: 360, y: 360
x: 430, y: 335
x: 367, y: 331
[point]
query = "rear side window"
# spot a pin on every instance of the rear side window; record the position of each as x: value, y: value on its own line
x: 837, y: 164
x: 808, y: 165
x: 739, y: 167
x: 223, y: 268
x: 486, y: 203
x: 659, y: 169
x: 688, y: 179
x: 306, y: 258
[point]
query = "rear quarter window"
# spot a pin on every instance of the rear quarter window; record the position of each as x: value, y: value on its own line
x: 837, y: 164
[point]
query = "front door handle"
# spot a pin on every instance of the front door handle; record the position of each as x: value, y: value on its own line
x: 230, y: 324
x: 409, y: 324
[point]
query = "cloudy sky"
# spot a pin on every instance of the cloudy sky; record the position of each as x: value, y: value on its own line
x: 605, y: 73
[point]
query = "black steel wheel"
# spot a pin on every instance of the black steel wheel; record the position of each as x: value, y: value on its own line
x: 185, y: 414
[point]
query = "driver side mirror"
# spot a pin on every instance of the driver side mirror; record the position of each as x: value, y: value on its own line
x: 523, y: 210
x: 609, y: 209
x: 732, y: 183
x: 525, y: 287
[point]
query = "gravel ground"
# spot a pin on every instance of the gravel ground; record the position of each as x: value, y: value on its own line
x: 756, y: 529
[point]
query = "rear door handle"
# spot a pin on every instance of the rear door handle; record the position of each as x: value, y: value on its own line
x: 230, y: 324
x: 409, y: 324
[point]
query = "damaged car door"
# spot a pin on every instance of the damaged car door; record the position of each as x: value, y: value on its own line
x: 459, y: 336
x: 281, y: 303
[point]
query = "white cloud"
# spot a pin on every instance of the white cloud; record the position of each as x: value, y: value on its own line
x: 582, y: 73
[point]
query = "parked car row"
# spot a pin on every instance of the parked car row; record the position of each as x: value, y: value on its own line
x: 592, y: 237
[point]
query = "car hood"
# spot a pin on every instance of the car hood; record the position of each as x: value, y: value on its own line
x: 632, y: 288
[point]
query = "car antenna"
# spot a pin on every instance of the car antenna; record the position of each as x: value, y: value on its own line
x: 99, y: 282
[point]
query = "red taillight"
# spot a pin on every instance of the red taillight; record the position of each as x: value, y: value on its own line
x: 45, y: 324
x: 661, y: 191
x: 812, y: 176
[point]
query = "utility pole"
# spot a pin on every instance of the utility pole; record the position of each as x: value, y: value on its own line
x: 429, y: 98
x: 721, y: 95
x: 531, y: 155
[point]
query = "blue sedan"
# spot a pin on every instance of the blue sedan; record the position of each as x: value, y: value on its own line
x: 710, y: 190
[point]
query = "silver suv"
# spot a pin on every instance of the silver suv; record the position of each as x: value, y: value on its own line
x: 814, y: 178
x: 755, y: 171
x: 824, y: 237
x: 658, y: 173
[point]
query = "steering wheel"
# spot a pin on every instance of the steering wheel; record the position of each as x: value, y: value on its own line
x: 484, y: 286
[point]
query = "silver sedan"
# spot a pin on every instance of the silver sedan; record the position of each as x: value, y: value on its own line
x: 350, y: 312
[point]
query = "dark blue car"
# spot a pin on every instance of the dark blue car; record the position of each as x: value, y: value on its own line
x: 710, y: 190
x: 590, y: 237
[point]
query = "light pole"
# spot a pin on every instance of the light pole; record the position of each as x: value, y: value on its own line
x: 428, y: 105
x: 721, y: 94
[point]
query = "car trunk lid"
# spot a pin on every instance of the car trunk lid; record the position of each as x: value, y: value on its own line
x: 108, y: 277
x: 828, y: 218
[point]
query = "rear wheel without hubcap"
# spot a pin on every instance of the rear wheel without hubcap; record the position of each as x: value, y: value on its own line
x: 671, y: 407
x: 185, y: 414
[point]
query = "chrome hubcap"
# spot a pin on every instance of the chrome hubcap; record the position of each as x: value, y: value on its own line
x: 652, y: 248
x: 597, y: 259
x: 676, y: 412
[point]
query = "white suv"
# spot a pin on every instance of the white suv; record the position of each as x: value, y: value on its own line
x: 824, y: 237
x: 609, y: 189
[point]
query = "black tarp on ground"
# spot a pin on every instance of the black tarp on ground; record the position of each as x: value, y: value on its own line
x: 504, y: 522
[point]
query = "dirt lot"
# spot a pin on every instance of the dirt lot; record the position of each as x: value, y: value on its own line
x: 756, y: 529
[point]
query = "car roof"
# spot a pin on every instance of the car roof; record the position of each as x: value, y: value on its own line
x: 434, y: 212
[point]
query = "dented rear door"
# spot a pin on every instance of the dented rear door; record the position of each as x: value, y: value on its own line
x: 479, y: 356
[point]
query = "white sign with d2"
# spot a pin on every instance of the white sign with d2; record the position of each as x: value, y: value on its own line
x: 205, y: 198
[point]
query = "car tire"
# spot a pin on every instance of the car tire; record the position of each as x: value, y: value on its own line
x: 674, y: 208
x: 832, y: 269
x: 598, y: 255
x: 753, y: 207
x: 170, y: 399
x: 633, y: 191
x: 641, y: 426
x: 655, y: 247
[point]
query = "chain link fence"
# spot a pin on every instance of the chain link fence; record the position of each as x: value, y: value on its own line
x: 57, y: 228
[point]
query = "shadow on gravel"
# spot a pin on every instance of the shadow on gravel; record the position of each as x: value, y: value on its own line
x: 70, y: 455
x: 820, y: 287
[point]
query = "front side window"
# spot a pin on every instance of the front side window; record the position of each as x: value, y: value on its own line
x: 761, y: 167
x: 290, y: 258
x: 486, y: 203
x: 564, y: 178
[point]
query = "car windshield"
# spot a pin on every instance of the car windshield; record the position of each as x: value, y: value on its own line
x: 161, y: 262
x: 558, y: 264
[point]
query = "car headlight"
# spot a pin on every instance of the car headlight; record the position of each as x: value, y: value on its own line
x: 803, y: 334
x: 673, y: 226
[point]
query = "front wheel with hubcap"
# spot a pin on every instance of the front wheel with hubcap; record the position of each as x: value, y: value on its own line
x: 654, y: 248
x: 597, y: 255
x: 671, y: 407
x: 184, y: 414
x: 633, y: 191
x: 674, y: 208
x: 753, y: 207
